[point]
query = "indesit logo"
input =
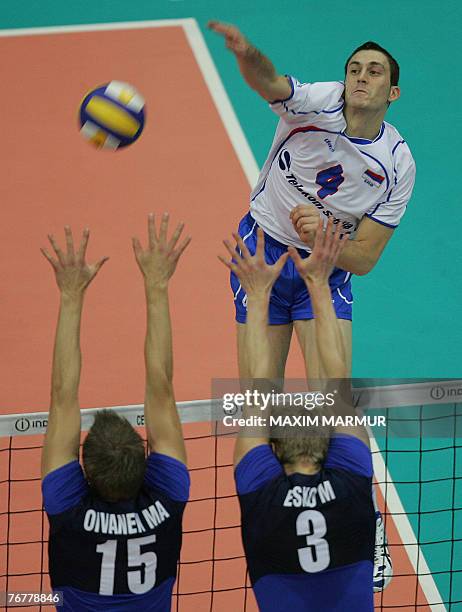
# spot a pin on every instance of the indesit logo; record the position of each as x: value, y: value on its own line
x: 284, y: 160
x: 22, y: 424
x: 438, y: 393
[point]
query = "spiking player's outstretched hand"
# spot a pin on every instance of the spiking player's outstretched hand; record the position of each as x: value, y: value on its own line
x: 235, y: 41
x: 254, y: 274
x: 158, y: 262
x: 257, y: 70
x: 73, y: 273
x: 327, y: 248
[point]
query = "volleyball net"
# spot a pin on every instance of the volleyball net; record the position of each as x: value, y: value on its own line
x: 418, y: 470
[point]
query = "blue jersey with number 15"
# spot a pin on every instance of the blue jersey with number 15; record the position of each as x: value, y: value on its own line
x: 309, y: 539
x: 116, y: 556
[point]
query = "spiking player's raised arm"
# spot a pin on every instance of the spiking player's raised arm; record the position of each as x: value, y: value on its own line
x: 256, y: 68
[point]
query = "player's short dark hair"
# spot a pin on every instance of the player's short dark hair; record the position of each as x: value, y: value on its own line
x: 292, y: 444
x: 373, y: 46
x: 114, y: 457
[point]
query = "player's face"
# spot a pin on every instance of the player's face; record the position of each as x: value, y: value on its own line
x: 367, y: 82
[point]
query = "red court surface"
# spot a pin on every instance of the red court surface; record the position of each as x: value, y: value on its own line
x: 183, y: 163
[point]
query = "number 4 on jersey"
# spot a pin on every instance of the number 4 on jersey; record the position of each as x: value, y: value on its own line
x: 330, y: 180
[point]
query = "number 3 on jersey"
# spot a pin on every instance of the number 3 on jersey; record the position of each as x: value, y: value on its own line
x: 136, y: 559
x: 316, y: 556
x: 330, y: 180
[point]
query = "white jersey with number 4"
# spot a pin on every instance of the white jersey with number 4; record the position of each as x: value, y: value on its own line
x: 313, y: 161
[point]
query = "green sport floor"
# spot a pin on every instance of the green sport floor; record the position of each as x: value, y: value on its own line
x: 406, y: 314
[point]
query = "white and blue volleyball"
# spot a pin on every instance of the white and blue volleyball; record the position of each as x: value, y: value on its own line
x: 112, y: 115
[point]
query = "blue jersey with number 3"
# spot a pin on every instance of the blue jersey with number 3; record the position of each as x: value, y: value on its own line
x: 116, y: 556
x: 309, y: 539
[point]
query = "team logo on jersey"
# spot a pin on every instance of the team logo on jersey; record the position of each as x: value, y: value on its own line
x: 329, y: 144
x: 284, y: 160
x: 329, y: 179
x: 373, y: 179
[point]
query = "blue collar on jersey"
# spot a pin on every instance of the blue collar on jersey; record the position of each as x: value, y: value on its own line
x: 365, y: 141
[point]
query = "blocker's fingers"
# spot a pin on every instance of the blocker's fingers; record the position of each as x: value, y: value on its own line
x: 319, y: 239
x: 152, y: 236
x: 137, y: 248
x: 260, y: 244
x: 47, y: 255
x: 221, y: 258
x: 229, y: 264
x: 329, y: 233
x: 83, y: 246
x: 338, y: 232
x: 234, y: 254
x: 56, y: 249
x: 176, y: 234
x: 100, y: 263
x: 241, y: 244
x: 69, y: 242
x: 281, y: 262
x: 164, y: 228
x: 340, y: 243
x: 179, y: 252
x: 295, y: 256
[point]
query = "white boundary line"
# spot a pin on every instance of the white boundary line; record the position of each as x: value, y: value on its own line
x: 250, y: 168
x: 405, y: 530
x: 97, y: 27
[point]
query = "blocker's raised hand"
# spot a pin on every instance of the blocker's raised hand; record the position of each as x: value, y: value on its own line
x: 254, y: 274
x: 73, y: 274
x: 158, y: 262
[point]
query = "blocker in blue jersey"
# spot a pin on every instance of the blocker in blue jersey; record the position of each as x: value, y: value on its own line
x: 308, y: 520
x: 115, y: 521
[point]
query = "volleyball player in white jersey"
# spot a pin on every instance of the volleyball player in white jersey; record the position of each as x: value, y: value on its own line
x: 332, y: 155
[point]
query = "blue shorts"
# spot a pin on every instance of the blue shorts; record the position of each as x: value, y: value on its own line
x: 289, y: 299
